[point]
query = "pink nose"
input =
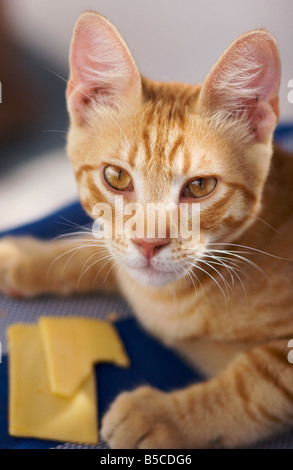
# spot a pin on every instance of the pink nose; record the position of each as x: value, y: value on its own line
x: 150, y: 246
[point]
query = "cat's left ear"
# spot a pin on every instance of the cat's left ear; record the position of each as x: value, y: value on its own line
x: 102, y: 70
x: 245, y: 83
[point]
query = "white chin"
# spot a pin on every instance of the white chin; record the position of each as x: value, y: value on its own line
x: 152, y: 277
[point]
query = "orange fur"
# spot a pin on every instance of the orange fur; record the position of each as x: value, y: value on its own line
x: 163, y: 135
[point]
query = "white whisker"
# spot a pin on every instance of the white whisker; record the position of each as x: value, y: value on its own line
x: 216, y: 282
x: 225, y: 282
x: 256, y: 250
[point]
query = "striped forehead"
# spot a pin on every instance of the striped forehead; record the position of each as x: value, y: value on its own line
x: 157, y: 161
x: 160, y: 149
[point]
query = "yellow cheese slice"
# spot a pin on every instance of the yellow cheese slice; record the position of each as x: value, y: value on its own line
x: 73, y: 344
x: 34, y: 411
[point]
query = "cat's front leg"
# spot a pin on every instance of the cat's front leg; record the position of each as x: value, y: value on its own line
x: 142, y: 419
x: 29, y: 267
x: 250, y: 400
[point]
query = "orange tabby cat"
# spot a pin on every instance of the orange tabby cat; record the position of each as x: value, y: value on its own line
x: 225, y: 305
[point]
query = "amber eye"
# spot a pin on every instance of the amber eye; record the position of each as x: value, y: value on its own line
x: 117, y: 178
x: 200, y: 187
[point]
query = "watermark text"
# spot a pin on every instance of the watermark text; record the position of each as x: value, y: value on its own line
x: 153, y: 220
x: 290, y: 354
x: 290, y: 94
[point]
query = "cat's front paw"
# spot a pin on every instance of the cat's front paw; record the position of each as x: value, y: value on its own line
x: 142, y: 419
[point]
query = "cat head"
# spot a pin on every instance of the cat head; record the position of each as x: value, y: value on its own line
x: 208, y: 145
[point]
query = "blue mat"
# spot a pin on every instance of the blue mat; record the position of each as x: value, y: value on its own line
x: 151, y: 363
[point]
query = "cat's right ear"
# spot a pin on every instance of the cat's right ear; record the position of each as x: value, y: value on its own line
x: 244, y: 84
x: 102, y: 70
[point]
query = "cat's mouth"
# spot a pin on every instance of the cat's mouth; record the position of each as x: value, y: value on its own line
x: 149, y: 269
x: 152, y: 275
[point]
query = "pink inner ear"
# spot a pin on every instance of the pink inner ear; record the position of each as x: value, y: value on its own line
x: 97, y: 58
x: 263, y: 120
x: 101, y: 67
x: 245, y: 82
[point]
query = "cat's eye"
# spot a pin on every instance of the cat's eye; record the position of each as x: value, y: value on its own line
x: 200, y: 187
x: 117, y: 178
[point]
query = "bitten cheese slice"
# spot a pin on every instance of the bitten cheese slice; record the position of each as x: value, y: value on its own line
x: 34, y: 411
x: 73, y: 344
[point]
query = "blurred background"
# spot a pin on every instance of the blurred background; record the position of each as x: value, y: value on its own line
x: 169, y: 39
